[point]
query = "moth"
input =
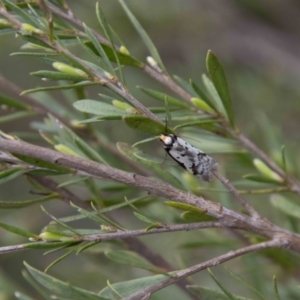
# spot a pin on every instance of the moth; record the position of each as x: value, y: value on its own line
x: 190, y: 158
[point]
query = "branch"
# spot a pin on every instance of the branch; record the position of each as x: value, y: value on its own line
x: 228, y: 218
x: 140, y: 232
x: 236, y: 195
x: 210, y: 263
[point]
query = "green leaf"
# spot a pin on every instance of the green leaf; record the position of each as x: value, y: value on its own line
x: 43, y: 164
x: 260, y: 178
x: 218, y: 78
x: 239, y: 278
x: 128, y: 151
x: 56, y: 261
x: 33, y: 40
x: 34, y: 54
x: 25, y: 203
x: 17, y: 115
x: 183, y: 83
x: 221, y: 286
x: 10, y: 174
x: 109, y: 35
x: 161, y: 97
x: 123, y: 58
x: 143, y: 218
x: 184, y: 206
x: 52, y: 75
x: 61, y: 288
x: 285, y: 205
x: 59, y: 87
x: 127, y: 288
x: 100, y: 50
x: 275, y: 288
x: 192, y: 217
x: 97, y: 217
x: 4, y: 100
x: 207, y: 294
x: 195, y: 123
x: 132, y: 259
x: 154, y: 138
x: 63, y: 225
x: 99, y: 108
x: 214, y: 95
x: 18, y: 231
x: 22, y: 13
x: 283, y: 159
x: 202, y: 95
x: 143, y: 34
x: 145, y: 124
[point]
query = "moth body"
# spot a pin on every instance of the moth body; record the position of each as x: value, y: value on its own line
x: 190, y: 158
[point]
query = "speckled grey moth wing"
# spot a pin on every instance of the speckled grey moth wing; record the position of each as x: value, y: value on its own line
x: 190, y: 158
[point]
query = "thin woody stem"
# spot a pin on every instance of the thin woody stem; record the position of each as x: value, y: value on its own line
x: 236, y: 195
x: 209, y: 263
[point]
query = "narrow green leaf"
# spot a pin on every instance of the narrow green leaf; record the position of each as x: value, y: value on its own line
x: 195, y: 123
x: 285, y: 205
x: 40, y: 290
x: 128, y: 151
x: 22, y: 13
x: 10, y: 174
x: 60, y: 87
x: 192, y: 217
x: 52, y: 75
x: 145, y: 124
x: 239, y: 278
x: 100, y: 50
x: 202, y: 95
x: 143, y: 34
x: 260, y: 178
x: 218, y: 78
x: 43, y: 164
x: 184, y: 206
x: 35, y: 54
x: 99, y: 108
x: 149, y: 158
x: 83, y: 246
x: 132, y: 259
x: 36, y: 42
x: 143, y: 218
x: 60, y: 223
x: 61, y: 288
x: 18, y: 231
x: 283, y: 158
x: 97, y: 217
x: 123, y: 58
x: 208, y: 294
x: 59, y: 259
x: 275, y: 288
x: 25, y: 203
x: 4, y: 100
x: 16, y: 116
x: 109, y: 35
x: 213, y: 93
x: 161, y: 97
x: 127, y: 288
x: 221, y: 286
x: 183, y: 83
x: 144, y: 141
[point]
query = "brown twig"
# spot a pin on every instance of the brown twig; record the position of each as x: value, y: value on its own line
x: 209, y: 263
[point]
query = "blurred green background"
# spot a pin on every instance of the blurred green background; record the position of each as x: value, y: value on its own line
x: 258, y: 44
